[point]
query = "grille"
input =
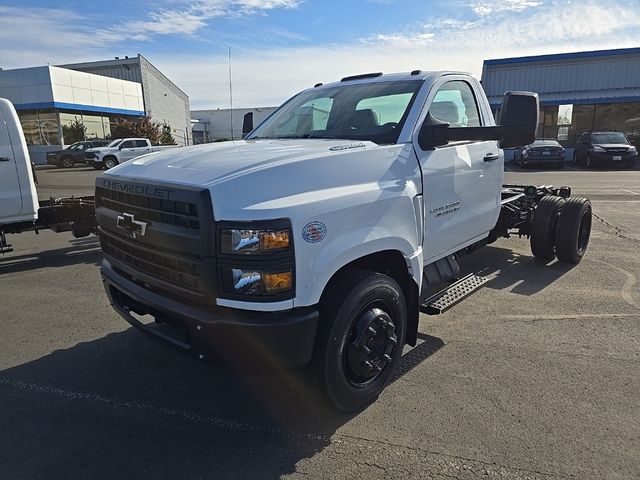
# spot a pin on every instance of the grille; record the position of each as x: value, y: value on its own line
x: 150, y: 209
x: 180, y: 271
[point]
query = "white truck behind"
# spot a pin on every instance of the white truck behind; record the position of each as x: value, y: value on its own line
x: 20, y: 209
x: 319, y: 238
x: 121, y: 150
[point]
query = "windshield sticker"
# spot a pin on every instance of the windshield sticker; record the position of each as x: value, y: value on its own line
x: 314, y: 232
x: 348, y: 146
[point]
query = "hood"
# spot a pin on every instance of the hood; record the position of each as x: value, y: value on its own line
x: 261, y: 179
x: 207, y: 165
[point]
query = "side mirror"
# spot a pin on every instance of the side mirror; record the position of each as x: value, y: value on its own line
x: 518, y: 119
x: 247, y: 124
x: 518, y: 125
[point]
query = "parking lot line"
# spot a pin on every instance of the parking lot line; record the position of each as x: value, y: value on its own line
x: 630, y: 191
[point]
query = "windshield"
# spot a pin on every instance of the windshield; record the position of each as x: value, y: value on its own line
x: 370, y: 111
x: 115, y: 143
x: 612, y: 137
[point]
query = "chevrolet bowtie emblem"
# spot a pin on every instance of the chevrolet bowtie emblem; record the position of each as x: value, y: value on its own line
x: 131, y: 226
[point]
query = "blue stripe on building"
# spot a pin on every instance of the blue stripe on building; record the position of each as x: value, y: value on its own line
x: 78, y: 107
x: 563, y: 56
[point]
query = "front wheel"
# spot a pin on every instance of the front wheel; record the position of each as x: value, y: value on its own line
x: 67, y: 162
x: 363, y: 319
x: 110, y: 162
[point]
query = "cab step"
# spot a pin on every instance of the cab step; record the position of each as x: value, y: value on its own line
x: 454, y: 293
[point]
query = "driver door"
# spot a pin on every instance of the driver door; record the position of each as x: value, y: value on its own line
x: 462, y: 181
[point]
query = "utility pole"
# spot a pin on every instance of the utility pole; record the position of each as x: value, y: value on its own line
x: 230, y: 97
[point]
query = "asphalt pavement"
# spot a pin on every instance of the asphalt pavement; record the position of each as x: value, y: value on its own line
x: 535, y: 376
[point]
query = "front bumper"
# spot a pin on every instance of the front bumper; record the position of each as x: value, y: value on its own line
x: 248, y: 341
x: 614, y: 157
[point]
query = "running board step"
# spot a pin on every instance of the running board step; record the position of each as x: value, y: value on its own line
x: 454, y: 293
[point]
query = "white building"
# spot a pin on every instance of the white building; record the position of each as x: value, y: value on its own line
x: 224, y: 124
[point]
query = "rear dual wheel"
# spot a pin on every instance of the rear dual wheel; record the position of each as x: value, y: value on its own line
x: 363, y: 318
x: 561, y: 228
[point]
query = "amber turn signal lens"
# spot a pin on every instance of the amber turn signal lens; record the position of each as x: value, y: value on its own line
x: 277, y: 282
x: 271, y: 240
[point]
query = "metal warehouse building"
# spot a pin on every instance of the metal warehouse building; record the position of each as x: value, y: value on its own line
x: 164, y: 102
x: 598, y: 90
x: 221, y: 124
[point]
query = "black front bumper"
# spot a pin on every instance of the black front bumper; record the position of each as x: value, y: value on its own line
x: 239, y: 340
x: 608, y: 157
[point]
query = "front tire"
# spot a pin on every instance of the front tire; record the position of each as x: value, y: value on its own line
x: 67, y: 162
x: 363, y: 319
x: 109, y: 162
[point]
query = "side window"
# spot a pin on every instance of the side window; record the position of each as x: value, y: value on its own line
x: 455, y: 104
x: 128, y: 144
x: 140, y: 143
x: 387, y: 109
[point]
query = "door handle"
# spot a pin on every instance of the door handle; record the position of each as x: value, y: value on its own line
x: 491, y: 157
x: 5, y: 159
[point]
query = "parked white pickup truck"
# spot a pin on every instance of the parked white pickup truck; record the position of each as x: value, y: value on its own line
x: 20, y: 209
x: 319, y: 238
x: 121, y: 150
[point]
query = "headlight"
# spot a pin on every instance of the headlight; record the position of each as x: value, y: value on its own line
x: 632, y: 149
x: 598, y: 149
x: 241, y: 241
x: 249, y: 281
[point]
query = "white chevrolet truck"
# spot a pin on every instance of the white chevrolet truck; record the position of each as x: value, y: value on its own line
x: 319, y: 238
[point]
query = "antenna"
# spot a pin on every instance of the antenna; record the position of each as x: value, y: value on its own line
x: 230, y: 96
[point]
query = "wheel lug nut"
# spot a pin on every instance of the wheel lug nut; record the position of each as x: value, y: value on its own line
x: 392, y: 340
x: 386, y: 357
x: 378, y: 368
x: 368, y: 364
x: 371, y: 330
x: 366, y: 349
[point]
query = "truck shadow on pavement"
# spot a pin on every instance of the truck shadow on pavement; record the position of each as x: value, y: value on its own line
x: 83, y: 251
x: 125, y: 407
x: 521, y: 274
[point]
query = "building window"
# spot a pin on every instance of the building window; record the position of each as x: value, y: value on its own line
x: 40, y: 127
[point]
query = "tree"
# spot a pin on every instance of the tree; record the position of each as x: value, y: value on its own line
x: 166, y: 138
x: 74, y: 132
x: 143, y: 127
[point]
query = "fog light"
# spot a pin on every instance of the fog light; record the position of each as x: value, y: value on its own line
x: 256, y: 282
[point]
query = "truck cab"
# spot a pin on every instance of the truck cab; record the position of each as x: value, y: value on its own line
x: 316, y: 240
x: 18, y: 196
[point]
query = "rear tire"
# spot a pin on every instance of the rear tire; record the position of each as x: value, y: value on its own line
x: 543, y: 227
x: 363, y: 318
x: 573, y: 230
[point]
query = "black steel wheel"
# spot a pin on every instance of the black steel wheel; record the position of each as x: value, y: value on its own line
x: 67, y: 162
x: 363, y: 317
x: 574, y: 230
x: 543, y: 227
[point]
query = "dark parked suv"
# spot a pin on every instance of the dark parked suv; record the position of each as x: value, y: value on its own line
x: 73, y: 154
x: 596, y: 148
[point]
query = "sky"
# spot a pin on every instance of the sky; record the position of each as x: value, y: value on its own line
x: 280, y: 47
